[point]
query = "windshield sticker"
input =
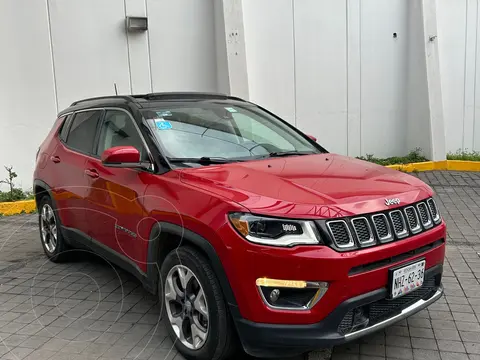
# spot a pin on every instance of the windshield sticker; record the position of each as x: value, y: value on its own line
x: 162, y: 124
x: 164, y: 113
x: 231, y: 109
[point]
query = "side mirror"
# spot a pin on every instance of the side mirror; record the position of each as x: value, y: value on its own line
x: 121, y: 156
x: 312, y: 137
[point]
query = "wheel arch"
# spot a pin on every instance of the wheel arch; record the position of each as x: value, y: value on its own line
x: 165, y: 237
x: 41, y: 188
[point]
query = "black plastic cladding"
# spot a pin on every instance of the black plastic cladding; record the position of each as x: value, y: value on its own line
x: 327, y: 238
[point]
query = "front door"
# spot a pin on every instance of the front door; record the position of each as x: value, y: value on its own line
x: 115, y: 195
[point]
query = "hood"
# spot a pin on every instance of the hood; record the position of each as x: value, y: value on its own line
x: 309, y: 186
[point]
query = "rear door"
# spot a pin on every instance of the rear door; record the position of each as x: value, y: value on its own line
x: 69, y: 186
x: 115, y: 195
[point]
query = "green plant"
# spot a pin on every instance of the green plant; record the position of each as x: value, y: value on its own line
x: 9, y: 179
x: 14, y: 194
x: 464, y: 155
x: 412, y: 157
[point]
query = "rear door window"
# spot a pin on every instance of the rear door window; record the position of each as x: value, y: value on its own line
x: 82, y: 131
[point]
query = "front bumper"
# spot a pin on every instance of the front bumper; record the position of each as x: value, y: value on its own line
x: 271, y: 340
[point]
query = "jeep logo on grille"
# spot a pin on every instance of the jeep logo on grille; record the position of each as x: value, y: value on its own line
x: 395, y: 201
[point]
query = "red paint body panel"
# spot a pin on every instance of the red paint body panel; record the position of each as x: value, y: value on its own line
x: 245, y: 262
x: 199, y: 199
x: 314, y: 186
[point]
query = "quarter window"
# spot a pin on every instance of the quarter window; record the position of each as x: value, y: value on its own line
x: 64, y: 130
x: 82, y: 132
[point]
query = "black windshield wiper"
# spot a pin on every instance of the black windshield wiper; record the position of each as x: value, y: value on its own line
x: 204, y: 160
x: 289, y: 153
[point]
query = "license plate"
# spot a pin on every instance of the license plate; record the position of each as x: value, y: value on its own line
x: 407, y: 279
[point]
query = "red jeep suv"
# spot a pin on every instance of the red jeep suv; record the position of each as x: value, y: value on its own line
x: 249, y: 231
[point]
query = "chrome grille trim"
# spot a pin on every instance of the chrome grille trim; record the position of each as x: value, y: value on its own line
x: 432, y: 206
x: 389, y: 236
x: 350, y: 237
x: 423, y: 209
x: 413, y: 229
x: 404, y: 232
x: 371, y: 239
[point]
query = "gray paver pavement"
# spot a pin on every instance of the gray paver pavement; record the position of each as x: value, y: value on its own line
x: 87, y: 309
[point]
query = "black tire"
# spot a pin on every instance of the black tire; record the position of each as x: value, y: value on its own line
x: 221, y: 341
x: 59, y: 253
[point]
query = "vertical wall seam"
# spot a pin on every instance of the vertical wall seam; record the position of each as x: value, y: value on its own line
x: 294, y: 66
x: 475, y: 80
x: 465, y: 75
x: 149, y: 50
x: 346, y: 64
x: 360, y: 74
x: 128, y: 50
x: 55, y: 92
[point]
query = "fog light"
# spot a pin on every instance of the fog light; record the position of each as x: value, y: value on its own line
x: 274, y: 295
x: 291, y: 294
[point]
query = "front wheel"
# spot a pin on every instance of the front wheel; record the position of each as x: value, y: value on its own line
x: 197, y: 317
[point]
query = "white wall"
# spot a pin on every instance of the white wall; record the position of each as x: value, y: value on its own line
x: 27, y: 92
x: 321, y: 71
x: 383, y: 77
x: 182, y: 45
x: 458, y: 39
x: 333, y: 69
x: 269, y: 42
x: 57, y: 51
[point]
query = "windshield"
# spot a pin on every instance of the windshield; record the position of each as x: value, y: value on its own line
x: 196, y: 130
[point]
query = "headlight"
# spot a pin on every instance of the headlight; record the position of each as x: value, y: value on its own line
x: 274, y: 231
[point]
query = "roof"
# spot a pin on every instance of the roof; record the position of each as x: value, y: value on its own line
x: 144, y: 99
x: 162, y: 96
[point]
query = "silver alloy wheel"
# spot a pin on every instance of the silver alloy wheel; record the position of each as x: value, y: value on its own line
x: 186, y: 306
x: 48, y: 227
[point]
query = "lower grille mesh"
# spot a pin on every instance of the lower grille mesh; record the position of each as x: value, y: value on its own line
x: 384, y: 309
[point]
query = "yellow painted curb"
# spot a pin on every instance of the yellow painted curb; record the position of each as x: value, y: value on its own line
x: 17, y: 207
x: 452, y: 165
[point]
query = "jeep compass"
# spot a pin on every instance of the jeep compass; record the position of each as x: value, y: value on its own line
x: 250, y: 232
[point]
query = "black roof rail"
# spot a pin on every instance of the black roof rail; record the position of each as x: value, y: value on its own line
x: 124, y: 97
x: 186, y: 95
x: 165, y: 96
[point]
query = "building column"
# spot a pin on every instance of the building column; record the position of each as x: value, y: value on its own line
x: 232, y: 75
x: 425, y: 120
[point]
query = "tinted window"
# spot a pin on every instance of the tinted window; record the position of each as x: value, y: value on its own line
x: 64, y: 130
x: 118, y: 129
x: 82, y: 131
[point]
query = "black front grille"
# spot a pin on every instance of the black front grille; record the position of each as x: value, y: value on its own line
x: 412, y: 218
x: 433, y: 209
x: 424, y: 215
x: 381, y: 226
x: 340, y: 232
x: 383, y: 309
x: 362, y: 229
x: 397, y: 220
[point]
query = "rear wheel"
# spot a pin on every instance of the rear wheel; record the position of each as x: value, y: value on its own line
x: 197, y: 317
x: 50, y: 235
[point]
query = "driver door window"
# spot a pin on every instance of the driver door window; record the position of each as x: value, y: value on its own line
x: 118, y: 129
